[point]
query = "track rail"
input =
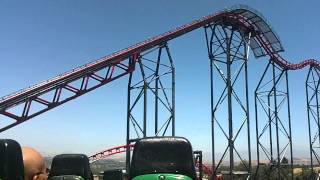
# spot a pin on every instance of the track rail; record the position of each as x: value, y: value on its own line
x: 123, y: 60
x: 109, y: 152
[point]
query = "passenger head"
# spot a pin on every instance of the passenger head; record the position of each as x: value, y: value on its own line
x: 34, y: 165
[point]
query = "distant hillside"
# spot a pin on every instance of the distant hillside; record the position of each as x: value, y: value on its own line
x: 98, y: 166
x: 108, y: 164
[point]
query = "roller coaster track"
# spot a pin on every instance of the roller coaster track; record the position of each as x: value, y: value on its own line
x: 121, y: 149
x: 50, y: 94
x: 109, y: 152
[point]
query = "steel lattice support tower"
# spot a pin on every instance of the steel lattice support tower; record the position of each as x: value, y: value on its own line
x: 153, y: 82
x: 313, y: 94
x: 273, y: 125
x: 228, y: 50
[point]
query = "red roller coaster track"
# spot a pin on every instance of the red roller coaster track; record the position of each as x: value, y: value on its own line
x: 78, y: 81
x: 109, y: 152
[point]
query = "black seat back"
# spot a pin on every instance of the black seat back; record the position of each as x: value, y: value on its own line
x: 71, y: 164
x: 11, y: 162
x: 113, y: 175
x: 163, y: 155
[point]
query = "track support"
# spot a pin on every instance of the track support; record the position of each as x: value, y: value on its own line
x: 153, y: 82
x: 228, y: 51
x: 312, y: 92
x: 273, y: 125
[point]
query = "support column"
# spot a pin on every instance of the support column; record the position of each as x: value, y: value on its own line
x: 228, y: 51
x: 312, y: 92
x: 153, y: 82
x: 273, y: 125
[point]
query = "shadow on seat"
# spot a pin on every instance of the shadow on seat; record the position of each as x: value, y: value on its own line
x: 70, y: 167
x: 113, y: 174
x: 11, y: 162
x: 164, y: 155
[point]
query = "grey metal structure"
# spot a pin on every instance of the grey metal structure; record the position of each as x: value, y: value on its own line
x: 273, y: 124
x: 228, y: 50
x: 313, y: 94
x: 153, y: 82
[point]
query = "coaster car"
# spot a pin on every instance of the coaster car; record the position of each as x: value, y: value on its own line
x: 70, y: 167
x: 11, y: 162
x: 162, y: 158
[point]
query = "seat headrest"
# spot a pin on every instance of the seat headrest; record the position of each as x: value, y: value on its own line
x: 11, y: 162
x: 113, y: 174
x: 71, y: 164
x: 163, y: 155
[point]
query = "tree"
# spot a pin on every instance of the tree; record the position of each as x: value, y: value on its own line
x: 284, y: 160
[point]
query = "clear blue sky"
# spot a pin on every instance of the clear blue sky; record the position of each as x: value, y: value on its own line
x: 40, y: 39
